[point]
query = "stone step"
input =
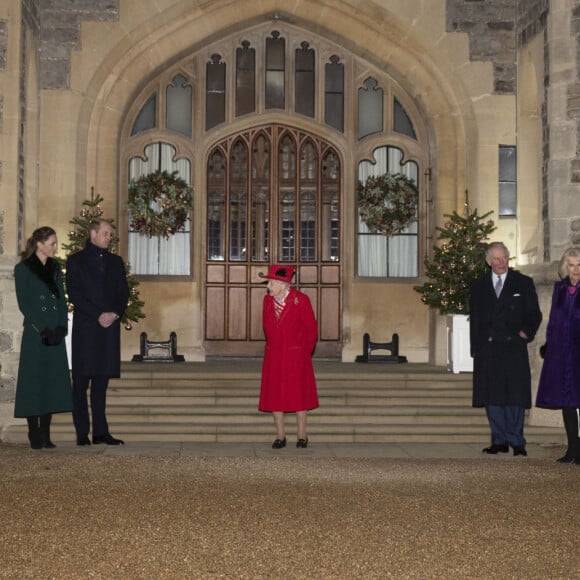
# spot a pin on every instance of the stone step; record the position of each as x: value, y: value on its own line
x: 244, y: 433
x: 217, y: 401
x: 224, y: 417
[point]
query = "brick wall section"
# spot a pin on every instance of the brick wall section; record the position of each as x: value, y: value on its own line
x: 532, y: 16
x: 61, y: 31
x: 491, y: 26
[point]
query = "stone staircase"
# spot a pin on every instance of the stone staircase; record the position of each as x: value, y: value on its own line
x: 216, y: 401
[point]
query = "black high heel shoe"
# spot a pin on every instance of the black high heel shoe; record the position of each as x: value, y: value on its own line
x: 302, y: 443
x: 279, y: 443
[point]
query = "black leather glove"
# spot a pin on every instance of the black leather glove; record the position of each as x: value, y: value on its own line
x: 543, y: 350
x: 50, y: 337
x: 60, y: 332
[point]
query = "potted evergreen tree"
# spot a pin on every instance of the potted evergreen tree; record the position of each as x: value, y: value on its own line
x: 458, y: 259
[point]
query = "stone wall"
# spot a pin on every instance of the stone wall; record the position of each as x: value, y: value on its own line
x: 491, y: 26
x: 10, y: 330
x: 532, y: 20
x: 61, y: 33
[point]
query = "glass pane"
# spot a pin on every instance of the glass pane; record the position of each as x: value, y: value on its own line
x: 330, y: 207
x: 308, y: 205
x: 508, y: 199
x: 287, y: 188
x: 304, y: 72
x: 370, y: 109
x: 287, y: 227
x: 308, y: 226
x: 215, y: 97
x: 260, y: 198
x: 507, y: 163
x: 275, y: 69
x: 334, y: 93
x: 245, y: 79
x: 216, y: 211
x: 178, y: 116
x: 238, y: 201
x: 146, y: 118
x: 275, y: 90
x: 401, y: 121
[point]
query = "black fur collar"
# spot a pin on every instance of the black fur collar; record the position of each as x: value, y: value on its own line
x: 48, y: 272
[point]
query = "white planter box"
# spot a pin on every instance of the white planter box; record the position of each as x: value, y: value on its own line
x: 458, y: 345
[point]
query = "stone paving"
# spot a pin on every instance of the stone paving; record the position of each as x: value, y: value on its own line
x: 172, y: 511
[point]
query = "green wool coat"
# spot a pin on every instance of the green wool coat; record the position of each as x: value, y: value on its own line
x: 44, y: 384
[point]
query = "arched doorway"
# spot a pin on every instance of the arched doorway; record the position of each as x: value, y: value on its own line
x: 273, y: 196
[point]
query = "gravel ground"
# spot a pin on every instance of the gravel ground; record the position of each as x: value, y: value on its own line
x: 73, y: 515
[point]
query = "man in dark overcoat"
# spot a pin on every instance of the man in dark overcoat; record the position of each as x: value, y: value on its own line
x: 96, y: 282
x: 504, y: 317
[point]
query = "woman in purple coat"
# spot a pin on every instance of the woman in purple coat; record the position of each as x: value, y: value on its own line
x: 560, y: 379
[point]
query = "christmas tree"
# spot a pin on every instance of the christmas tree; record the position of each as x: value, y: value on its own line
x: 77, y: 238
x: 457, y: 261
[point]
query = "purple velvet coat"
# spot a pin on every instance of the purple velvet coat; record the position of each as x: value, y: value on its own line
x: 560, y: 379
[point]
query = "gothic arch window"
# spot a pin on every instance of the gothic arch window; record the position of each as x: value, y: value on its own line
x: 370, y: 108
x: 275, y: 71
x: 146, y: 119
x: 245, y: 79
x: 282, y: 74
x: 178, y: 109
x: 215, y: 92
x: 379, y: 255
x: 334, y: 93
x: 304, y: 89
x: 158, y: 255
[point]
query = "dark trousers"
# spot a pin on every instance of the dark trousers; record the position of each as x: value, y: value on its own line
x: 507, y: 424
x: 98, y: 401
x: 570, y: 416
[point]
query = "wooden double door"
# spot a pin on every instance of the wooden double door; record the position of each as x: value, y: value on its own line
x: 273, y: 196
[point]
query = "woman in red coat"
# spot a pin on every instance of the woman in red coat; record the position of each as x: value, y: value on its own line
x: 288, y: 384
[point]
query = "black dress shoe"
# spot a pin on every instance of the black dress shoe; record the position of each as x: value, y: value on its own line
x: 82, y: 441
x: 108, y: 439
x: 279, y: 443
x: 566, y: 459
x: 494, y: 449
x: 302, y: 443
x: 520, y: 451
x: 48, y: 444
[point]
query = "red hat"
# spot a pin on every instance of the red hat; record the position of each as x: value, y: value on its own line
x: 279, y: 272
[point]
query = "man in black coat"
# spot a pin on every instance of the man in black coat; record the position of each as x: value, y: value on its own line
x: 504, y: 317
x: 96, y: 283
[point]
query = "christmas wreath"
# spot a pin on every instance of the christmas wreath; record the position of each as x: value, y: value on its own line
x: 387, y: 203
x: 159, y: 204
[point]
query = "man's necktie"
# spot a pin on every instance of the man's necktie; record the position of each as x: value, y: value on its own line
x: 498, y: 286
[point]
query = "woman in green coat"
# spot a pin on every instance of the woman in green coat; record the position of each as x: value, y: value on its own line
x: 43, y: 385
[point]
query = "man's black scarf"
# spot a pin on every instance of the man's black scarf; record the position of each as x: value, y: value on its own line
x: 47, y: 273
